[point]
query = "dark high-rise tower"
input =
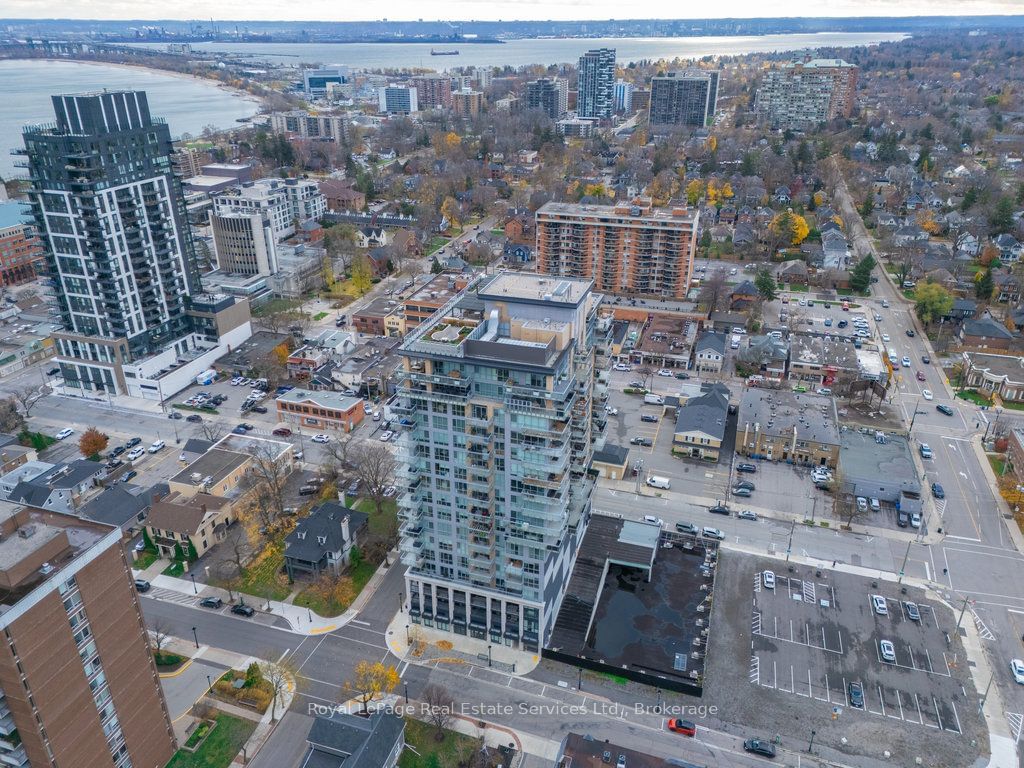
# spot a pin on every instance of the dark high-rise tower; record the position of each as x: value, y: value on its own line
x: 110, y: 214
x: 596, y: 84
x: 684, y: 99
x: 549, y: 95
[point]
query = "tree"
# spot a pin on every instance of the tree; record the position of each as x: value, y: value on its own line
x: 867, y: 206
x: 268, y: 476
x: 984, y: 285
x: 694, y: 190
x: 362, y: 274
x: 789, y: 228
x: 213, y: 429
x: 451, y: 211
x: 92, y: 442
x: 714, y: 290
x: 435, y: 266
x: 11, y: 420
x: 1001, y: 217
x: 370, y: 680
x: 375, y: 466
x: 440, y: 707
x: 279, y: 675
x: 27, y: 398
x: 159, y: 634
x: 989, y: 255
x: 334, y: 589
x: 860, y: 278
x: 645, y: 372
x: 766, y: 285
x: 931, y: 301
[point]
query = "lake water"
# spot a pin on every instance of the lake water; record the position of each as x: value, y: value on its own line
x: 516, y: 53
x: 187, y: 104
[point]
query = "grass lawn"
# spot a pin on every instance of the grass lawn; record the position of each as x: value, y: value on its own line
x: 498, y: 231
x: 145, y: 559
x: 436, y: 243
x: 997, y: 462
x: 220, y: 747
x: 174, y: 569
x: 378, y: 523
x: 263, y: 577
x: 798, y: 288
x: 320, y: 316
x: 276, y: 305
x: 972, y: 396
x: 430, y: 753
x: 1013, y: 406
x: 308, y: 598
x: 908, y: 293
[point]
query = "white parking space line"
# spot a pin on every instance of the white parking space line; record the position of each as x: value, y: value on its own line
x: 881, y: 700
x: 938, y: 715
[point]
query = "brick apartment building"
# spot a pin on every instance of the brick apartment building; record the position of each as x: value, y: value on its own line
x: 79, y: 686
x: 630, y: 248
x: 433, y: 91
x: 804, y: 93
x: 20, y: 253
x: 322, y: 410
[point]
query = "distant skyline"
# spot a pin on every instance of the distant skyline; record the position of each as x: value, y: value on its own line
x: 511, y: 10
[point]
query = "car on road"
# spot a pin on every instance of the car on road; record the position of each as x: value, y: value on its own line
x: 745, y: 493
x: 759, y: 747
x: 142, y: 585
x: 905, y: 362
x: 824, y: 391
x: 321, y: 438
x: 719, y: 509
x: 744, y: 484
x: 747, y: 514
x: 684, y: 727
x: 259, y: 409
x: 282, y: 432
x: 937, y: 491
x: 654, y: 520
x: 131, y: 474
x: 211, y: 602
x: 878, y: 318
x: 242, y: 609
x: 925, y: 359
x: 1017, y: 668
x: 622, y: 367
x: 942, y: 408
x: 644, y: 441
x: 636, y: 385
x: 768, y: 577
x: 885, y: 303
x: 247, y: 427
x: 238, y: 431
x: 910, y: 333
x: 176, y: 415
x: 746, y: 468
x: 385, y: 436
x: 927, y: 394
x: 665, y: 372
x: 135, y: 453
x: 194, y: 418
x: 885, y: 338
x: 856, y: 695
x: 53, y: 371
x: 926, y: 451
x: 682, y: 375
x: 65, y: 433
x: 920, y: 376
x: 887, y: 650
x: 878, y: 603
x: 711, y: 533
x: 911, y: 610
x: 684, y: 527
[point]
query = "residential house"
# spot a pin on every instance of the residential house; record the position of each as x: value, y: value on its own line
x: 793, y: 272
x: 323, y: 540
x: 186, y: 527
x: 962, y: 309
x: 743, y: 235
x: 123, y: 505
x: 782, y: 195
x: 765, y: 356
x: 369, y: 368
x: 820, y: 361
x: 701, y: 424
x: 743, y: 295
x: 371, y: 237
x: 13, y: 455
x: 28, y: 471
x: 709, y: 352
x: 380, y: 261
x: 995, y: 374
x: 727, y: 215
x: 342, y: 740
x: 835, y: 248
x: 986, y: 332
x: 321, y: 410
x: 303, y: 361
x: 720, y: 233
x: 61, y: 488
x: 968, y: 244
x: 1010, y: 250
x: 1007, y: 287
x: 780, y: 425
x: 909, y: 234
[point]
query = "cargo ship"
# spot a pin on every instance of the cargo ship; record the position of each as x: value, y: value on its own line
x: 443, y: 53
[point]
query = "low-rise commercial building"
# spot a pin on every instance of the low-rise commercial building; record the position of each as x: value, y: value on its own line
x: 788, y: 426
x: 1002, y: 375
x: 323, y: 410
x: 878, y: 466
x: 709, y: 353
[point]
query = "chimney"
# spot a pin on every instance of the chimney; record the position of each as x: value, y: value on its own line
x: 345, y: 534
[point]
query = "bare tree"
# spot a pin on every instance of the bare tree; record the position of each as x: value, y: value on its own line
x: 159, y: 634
x: 375, y: 467
x: 440, y: 707
x: 27, y: 397
x: 714, y: 291
x: 275, y: 322
x: 340, y: 452
x: 646, y: 372
x: 228, y: 572
x: 268, y: 476
x: 213, y: 429
x: 279, y: 675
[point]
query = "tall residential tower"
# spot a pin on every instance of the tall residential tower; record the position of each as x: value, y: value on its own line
x: 808, y: 92
x: 496, y: 398
x: 683, y: 99
x: 596, y: 84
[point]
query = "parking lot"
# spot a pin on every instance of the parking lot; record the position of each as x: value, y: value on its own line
x: 814, y: 639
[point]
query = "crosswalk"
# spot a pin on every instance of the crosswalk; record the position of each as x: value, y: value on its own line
x: 1016, y: 721
x: 171, y: 596
x: 983, y: 631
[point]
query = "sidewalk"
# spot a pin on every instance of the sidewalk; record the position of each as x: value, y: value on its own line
x: 300, y: 620
x: 1001, y: 503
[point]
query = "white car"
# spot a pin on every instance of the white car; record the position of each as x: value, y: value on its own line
x: 654, y: 520
x: 711, y: 533
x: 803, y: 302
x: 321, y: 439
x: 665, y: 372
x: 927, y: 394
x: 611, y: 410
x: 65, y: 433
x: 824, y: 391
x: 888, y: 651
x: 157, y: 446
x: 367, y: 408
x: 879, y: 604
x: 622, y: 367
x: 1017, y: 667
x: 387, y: 436
x: 135, y: 453
x: 885, y: 338
x: 769, y: 579
x: 905, y: 362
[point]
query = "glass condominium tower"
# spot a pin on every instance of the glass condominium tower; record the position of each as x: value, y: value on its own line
x: 496, y: 406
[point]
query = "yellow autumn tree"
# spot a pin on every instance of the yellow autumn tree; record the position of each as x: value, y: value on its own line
x: 838, y: 220
x: 727, y: 192
x: 925, y: 219
x: 594, y: 190
x: 694, y: 191
x: 371, y: 680
x: 362, y: 274
x: 712, y: 143
x: 819, y: 197
x: 790, y: 228
x: 450, y: 210
x: 712, y: 192
x: 572, y: 189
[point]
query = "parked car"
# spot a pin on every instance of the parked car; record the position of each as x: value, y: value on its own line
x: 665, y: 372
x: 744, y: 484
x: 682, y: 375
x: 53, y: 371
x: 156, y: 446
x: 887, y: 651
x: 711, y: 533
x: 747, y: 514
x: 759, y: 747
x: 911, y: 610
x: 684, y: 727
x: 142, y: 585
x: 683, y: 527
x: 176, y: 415
x: 211, y: 602
x: 719, y: 509
x: 622, y: 367
x: 644, y: 441
x: 654, y: 520
x: 745, y: 493
x: 611, y: 410
x: 649, y: 417
x: 238, y: 431
x: 117, y: 451
x: 194, y: 418
x: 768, y: 577
x: 308, y: 490
x: 915, y: 519
x: 746, y: 468
x: 135, y: 453
x: 941, y: 408
x: 259, y: 409
x: 1017, y: 668
x: 243, y: 610
x: 353, y: 488
x: 856, y: 695
x: 65, y: 433
x: 131, y: 474
x: 937, y: 491
x: 862, y: 504
x: 386, y: 436
x: 282, y: 432
x: 321, y: 438
x: 880, y: 605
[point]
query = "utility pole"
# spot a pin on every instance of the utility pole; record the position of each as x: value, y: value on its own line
x: 962, y: 611
x: 903, y: 567
x: 789, y: 546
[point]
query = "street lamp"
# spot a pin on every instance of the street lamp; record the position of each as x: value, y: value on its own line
x: 209, y: 683
x: 408, y: 638
x: 406, y: 693
x: 912, y: 419
x: 810, y: 745
x: 194, y: 587
x: 195, y: 637
x: 401, y: 602
x: 488, y: 655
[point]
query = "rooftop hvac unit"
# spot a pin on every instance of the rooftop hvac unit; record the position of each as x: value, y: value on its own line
x: 27, y: 531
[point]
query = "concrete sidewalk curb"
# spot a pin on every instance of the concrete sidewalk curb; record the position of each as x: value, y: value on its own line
x: 1001, y: 503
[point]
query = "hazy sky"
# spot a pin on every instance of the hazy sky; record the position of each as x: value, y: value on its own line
x: 332, y: 10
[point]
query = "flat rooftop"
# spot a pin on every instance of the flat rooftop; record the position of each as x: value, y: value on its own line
x: 325, y: 399
x: 620, y: 213
x: 865, y: 458
x: 779, y: 412
x: 528, y: 286
x: 216, y: 464
x: 588, y: 751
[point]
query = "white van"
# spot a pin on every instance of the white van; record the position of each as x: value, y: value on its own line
x: 157, y: 446
x: 650, y: 399
x: 659, y: 482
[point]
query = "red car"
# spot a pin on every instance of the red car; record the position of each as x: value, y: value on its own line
x: 684, y: 727
x: 920, y: 376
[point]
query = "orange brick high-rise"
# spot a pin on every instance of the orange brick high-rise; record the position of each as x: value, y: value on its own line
x: 628, y: 248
